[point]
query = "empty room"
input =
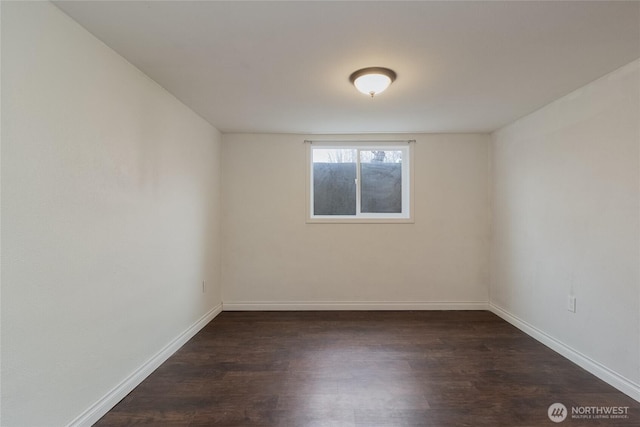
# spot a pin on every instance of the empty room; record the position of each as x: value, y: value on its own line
x: 320, y: 213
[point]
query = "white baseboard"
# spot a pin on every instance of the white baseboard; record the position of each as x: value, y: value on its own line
x: 616, y: 380
x: 109, y: 400
x: 353, y: 305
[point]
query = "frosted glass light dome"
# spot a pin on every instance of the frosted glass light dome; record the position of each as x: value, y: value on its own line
x: 373, y: 80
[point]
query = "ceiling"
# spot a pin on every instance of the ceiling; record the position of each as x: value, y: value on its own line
x: 284, y: 66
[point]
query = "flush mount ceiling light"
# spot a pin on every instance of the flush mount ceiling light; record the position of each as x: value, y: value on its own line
x: 372, y: 80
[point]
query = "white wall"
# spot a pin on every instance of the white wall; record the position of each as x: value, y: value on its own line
x: 566, y: 215
x: 273, y: 259
x: 110, y: 217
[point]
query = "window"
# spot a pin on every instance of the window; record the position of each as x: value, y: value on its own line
x: 364, y: 182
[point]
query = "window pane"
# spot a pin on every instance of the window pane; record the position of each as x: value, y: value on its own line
x: 334, y: 181
x: 381, y: 176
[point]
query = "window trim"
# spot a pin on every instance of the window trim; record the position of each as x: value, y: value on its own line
x: 363, y: 218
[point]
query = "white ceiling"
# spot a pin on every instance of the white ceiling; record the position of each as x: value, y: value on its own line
x: 284, y: 66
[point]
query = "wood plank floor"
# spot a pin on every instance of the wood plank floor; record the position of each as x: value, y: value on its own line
x: 421, y: 368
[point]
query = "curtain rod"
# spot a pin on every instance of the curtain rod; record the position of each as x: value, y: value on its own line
x: 311, y: 141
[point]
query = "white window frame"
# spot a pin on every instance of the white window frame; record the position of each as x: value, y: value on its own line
x: 406, y: 216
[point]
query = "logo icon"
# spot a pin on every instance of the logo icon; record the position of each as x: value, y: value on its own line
x: 557, y: 412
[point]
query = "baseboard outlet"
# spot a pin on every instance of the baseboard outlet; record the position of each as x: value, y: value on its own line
x: 612, y: 378
x: 353, y: 305
x: 108, y: 401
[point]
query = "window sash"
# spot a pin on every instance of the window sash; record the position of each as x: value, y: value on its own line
x: 406, y: 212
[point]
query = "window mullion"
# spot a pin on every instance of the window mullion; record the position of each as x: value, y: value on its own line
x: 358, y: 181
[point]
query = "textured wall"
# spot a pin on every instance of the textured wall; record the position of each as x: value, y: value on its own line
x: 272, y: 255
x: 110, y: 217
x: 566, y: 209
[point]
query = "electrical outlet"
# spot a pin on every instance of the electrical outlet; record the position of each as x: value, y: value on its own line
x: 204, y: 286
x: 571, y: 306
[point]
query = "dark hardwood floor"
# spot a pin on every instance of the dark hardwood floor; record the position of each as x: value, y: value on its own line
x: 420, y: 368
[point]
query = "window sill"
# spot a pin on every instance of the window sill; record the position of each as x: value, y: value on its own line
x: 360, y: 221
